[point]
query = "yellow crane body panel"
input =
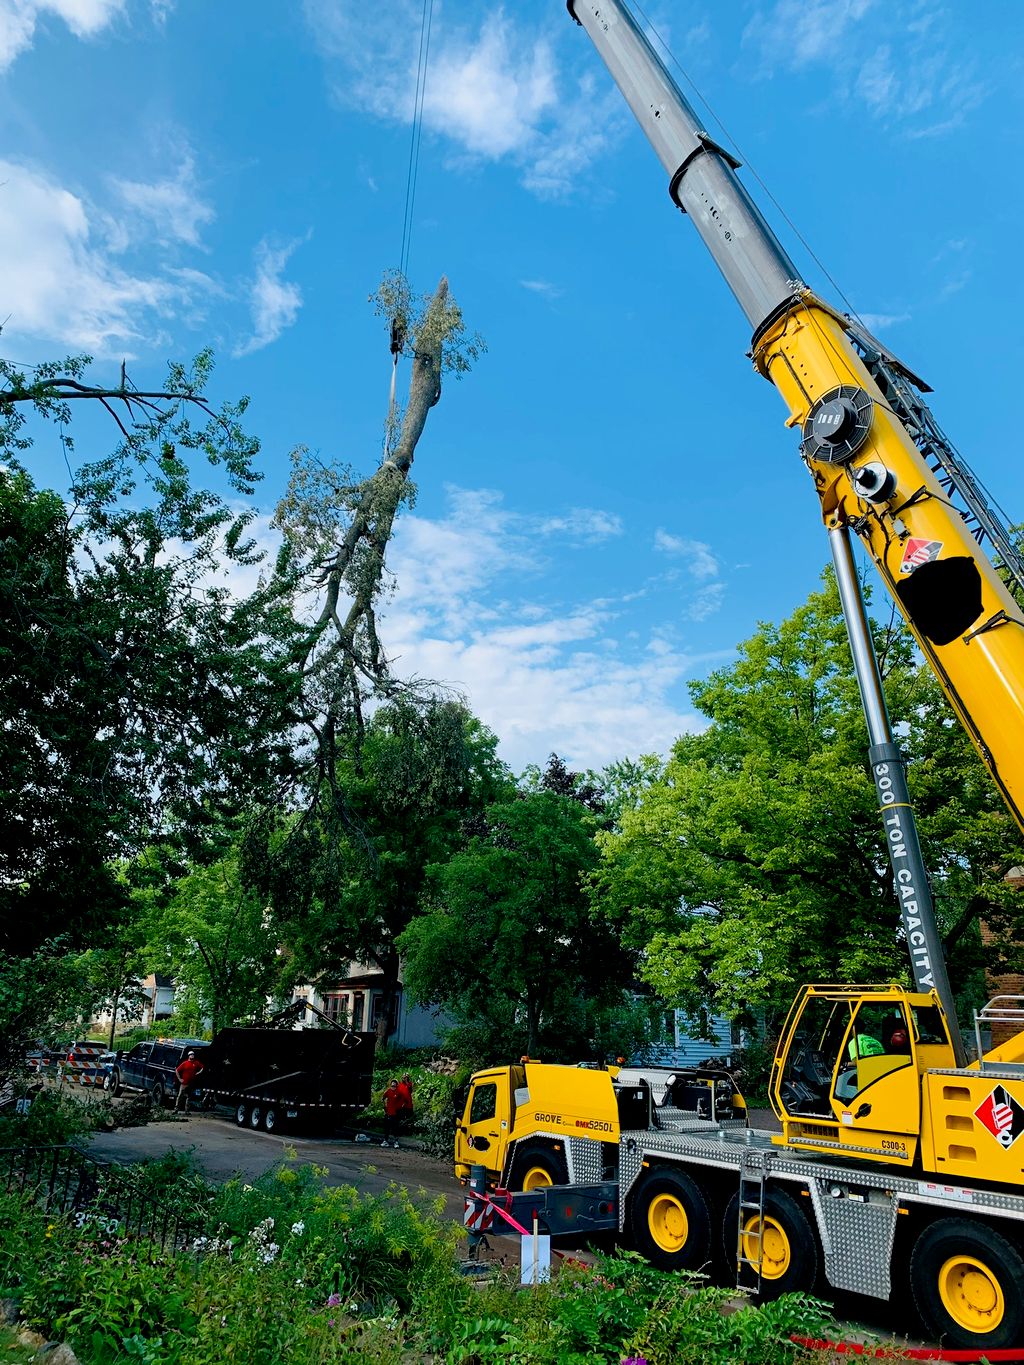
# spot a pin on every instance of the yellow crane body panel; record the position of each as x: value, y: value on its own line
x: 967, y: 624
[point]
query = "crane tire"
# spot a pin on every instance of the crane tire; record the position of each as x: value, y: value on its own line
x: 790, y: 1260
x: 968, y: 1285
x: 535, y: 1164
x: 669, y: 1220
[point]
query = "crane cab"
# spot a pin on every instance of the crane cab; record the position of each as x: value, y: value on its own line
x: 847, y: 1076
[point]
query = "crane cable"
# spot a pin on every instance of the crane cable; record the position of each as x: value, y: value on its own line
x: 417, y: 132
x: 749, y: 165
x: 400, y: 323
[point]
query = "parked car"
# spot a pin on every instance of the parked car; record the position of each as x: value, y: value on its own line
x: 149, y: 1067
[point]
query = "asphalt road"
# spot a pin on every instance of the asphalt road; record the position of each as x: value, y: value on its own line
x: 222, y: 1150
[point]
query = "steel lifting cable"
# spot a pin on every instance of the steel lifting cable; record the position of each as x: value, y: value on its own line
x: 399, y: 322
x: 417, y: 133
x: 750, y: 167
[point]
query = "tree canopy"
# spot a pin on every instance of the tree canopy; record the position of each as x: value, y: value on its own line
x: 508, y: 945
x: 755, y: 861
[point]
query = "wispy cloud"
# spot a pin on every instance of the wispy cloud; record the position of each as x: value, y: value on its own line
x: 699, y: 558
x: 793, y: 33
x: 878, y: 322
x: 576, y: 676
x: 493, y: 91
x: 583, y: 524
x: 274, y: 302
x: 918, y: 78
x: 63, y: 283
x: 543, y: 287
x: 19, y: 18
x: 471, y: 611
x: 171, y: 206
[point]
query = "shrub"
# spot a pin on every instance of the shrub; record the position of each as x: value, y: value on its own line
x: 55, y: 1117
x: 288, y: 1272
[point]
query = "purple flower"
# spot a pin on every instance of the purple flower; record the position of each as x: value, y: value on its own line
x: 334, y: 1300
x: 634, y: 1360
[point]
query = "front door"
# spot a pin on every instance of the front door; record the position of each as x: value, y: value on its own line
x: 482, y: 1134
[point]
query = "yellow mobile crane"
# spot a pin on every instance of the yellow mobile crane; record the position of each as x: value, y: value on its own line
x: 897, y: 1160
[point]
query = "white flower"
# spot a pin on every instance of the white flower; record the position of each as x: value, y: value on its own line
x: 298, y: 1228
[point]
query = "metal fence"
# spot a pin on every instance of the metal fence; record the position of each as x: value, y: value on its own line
x: 67, y: 1182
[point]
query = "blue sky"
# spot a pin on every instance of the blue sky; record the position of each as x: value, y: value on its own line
x: 610, y: 501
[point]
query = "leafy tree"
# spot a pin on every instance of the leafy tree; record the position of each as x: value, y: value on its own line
x: 135, y: 688
x: 213, y: 935
x: 557, y: 777
x: 41, y: 998
x: 509, y: 946
x: 345, y: 877
x: 756, y: 862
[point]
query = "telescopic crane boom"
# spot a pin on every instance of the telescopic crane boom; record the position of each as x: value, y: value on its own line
x: 880, y: 463
x: 881, y: 466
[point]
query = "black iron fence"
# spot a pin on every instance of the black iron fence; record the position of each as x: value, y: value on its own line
x: 65, y: 1181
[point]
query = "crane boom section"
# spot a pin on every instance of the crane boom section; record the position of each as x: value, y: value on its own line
x: 869, y: 474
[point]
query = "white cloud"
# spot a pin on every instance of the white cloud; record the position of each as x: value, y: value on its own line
x: 583, y: 523
x: 60, y: 283
x: 878, y: 322
x: 18, y: 20
x: 493, y: 92
x: 917, y: 78
x: 575, y: 677
x: 172, y: 206
x: 701, y: 562
x: 793, y: 33
x: 543, y: 287
x: 274, y: 302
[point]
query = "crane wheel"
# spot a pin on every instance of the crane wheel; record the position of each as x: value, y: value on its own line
x: 669, y: 1220
x: 968, y: 1285
x: 535, y: 1165
x: 784, y: 1243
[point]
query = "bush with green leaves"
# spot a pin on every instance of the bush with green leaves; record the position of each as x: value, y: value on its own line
x: 288, y: 1271
x: 55, y: 1117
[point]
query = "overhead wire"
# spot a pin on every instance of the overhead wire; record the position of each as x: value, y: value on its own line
x: 698, y: 93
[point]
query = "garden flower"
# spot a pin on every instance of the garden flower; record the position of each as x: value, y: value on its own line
x: 334, y: 1300
x: 298, y: 1228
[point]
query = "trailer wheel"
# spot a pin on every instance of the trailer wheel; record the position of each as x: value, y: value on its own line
x: 968, y: 1284
x: 241, y: 1114
x: 272, y: 1120
x: 787, y: 1247
x: 670, y: 1221
x: 255, y: 1115
x: 535, y: 1165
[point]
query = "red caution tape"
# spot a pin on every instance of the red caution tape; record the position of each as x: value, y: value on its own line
x: 853, y: 1348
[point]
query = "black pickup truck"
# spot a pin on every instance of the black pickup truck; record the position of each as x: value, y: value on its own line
x: 149, y: 1067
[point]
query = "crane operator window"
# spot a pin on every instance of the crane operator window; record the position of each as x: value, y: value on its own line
x: 485, y: 1103
x: 811, y: 1059
x: 878, y: 1043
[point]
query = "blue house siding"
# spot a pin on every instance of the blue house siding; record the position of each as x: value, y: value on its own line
x: 688, y: 1051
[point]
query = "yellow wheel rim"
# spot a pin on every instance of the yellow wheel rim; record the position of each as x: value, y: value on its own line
x: 535, y: 1177
x: 668, y: 1222
x: 971, y: 1294
x: 771, y: 1249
